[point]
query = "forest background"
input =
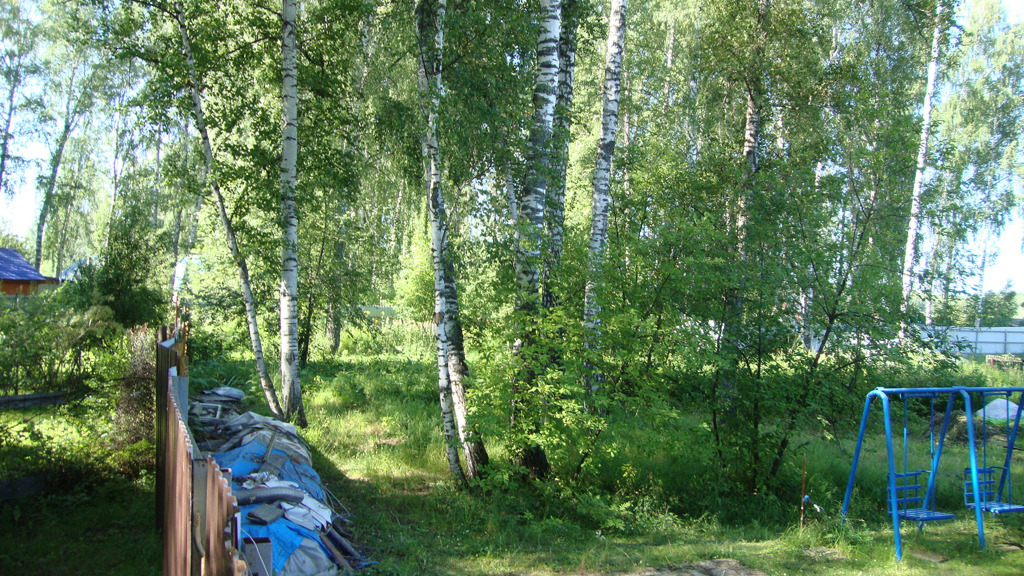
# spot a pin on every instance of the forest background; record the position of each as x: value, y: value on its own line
x: 730, y: 215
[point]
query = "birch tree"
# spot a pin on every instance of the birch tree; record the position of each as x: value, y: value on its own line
x: 561, y: 134
x: 211, y: 180
x: 978, y: 123
x: 291, y: 390
x: 531, y: 234
x: 75, y: 78
x: 913, y: 221
x: 601, y: 194
x: 430, y: 39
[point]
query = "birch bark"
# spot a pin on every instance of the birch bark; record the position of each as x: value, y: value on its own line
x: 560, y: 132
x: 538, y: 169
x: 601, y: 197
x: 473, y: 449
x: 291, y: 390
x: 229, y: 231
x: 5, y: 137
x: 430, y: 27
x: 530, y: 232
x: 913, y: 222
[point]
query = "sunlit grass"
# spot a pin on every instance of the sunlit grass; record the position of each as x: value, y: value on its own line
x: 376, y: 434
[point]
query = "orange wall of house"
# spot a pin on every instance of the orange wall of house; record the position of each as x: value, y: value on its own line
x: 15, y: 287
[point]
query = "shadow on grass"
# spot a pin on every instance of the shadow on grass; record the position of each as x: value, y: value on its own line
x: 107, y: 528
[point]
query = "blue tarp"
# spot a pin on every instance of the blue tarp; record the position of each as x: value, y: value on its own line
x: 285, y: 534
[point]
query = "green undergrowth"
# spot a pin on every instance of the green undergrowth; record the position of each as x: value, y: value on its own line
x: 96, y: 514
x: 648, y: 498
x: 107, y: 528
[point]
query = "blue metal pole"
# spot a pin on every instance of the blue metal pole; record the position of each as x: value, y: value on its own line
x: 1010, y: 441
x: 893, y: 498
x: 929, y: 495
x: 856, y: 453
x: 978, y: 516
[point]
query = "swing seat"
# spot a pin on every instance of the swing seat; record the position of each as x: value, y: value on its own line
x: 909, y: 502
x: 987, y: 491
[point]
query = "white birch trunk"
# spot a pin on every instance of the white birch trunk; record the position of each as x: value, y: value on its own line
x: 601, y: 198
x: 531, y: 209
x: 5, y: 136
x: 530, y: 229
x: 229, y: 231
x: 913, y: 222
x: 291, y: 389
x: 430, y: 26
x: 473, y: 449
x: 979, y: 311
x: 560, y: 132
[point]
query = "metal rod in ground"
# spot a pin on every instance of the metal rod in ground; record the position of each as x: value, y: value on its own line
x: 339, y: 558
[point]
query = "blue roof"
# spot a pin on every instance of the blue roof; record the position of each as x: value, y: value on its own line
x: 13, y: 266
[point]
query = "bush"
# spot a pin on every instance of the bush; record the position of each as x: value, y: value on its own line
x: 48, y: 347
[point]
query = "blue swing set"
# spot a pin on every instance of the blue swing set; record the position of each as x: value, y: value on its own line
x: 910, y: 494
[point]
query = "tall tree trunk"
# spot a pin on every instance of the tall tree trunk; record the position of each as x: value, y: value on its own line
x: 430, y: 27
x: 913, y: 222
x: 229, y: 231
x: 473, y: 449
x: 601, y: 194
x: 979, y: 310
x: 291, y: 389
x: 5, y: 136
x: 530, y: 234
x: 538, y: 168
x: 50, y: 186
x: 561, y: 130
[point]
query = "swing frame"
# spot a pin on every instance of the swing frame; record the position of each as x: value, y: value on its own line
x: 992, y: 498
x: 976, y: 474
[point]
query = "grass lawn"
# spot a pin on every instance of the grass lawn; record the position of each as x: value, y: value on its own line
x: 375, y: 433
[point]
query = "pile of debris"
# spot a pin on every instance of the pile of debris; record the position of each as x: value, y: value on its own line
x: 993, y: 421
x: 290, y: 524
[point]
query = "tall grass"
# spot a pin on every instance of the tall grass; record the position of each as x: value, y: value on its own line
x: 649, y: 496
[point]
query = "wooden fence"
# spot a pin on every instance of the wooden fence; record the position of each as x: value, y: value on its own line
x: 196, y: 512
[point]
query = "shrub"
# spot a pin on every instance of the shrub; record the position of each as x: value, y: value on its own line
x: 46, y: 346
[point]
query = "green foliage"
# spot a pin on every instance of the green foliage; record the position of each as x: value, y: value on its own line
x: 997, y: 309
x: 48, y: 346
x: 414, y: 288
x: 123, y: 279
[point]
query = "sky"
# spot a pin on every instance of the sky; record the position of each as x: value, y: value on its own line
x: 18, y: 214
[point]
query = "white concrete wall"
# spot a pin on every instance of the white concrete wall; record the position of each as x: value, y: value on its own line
x: 996, y: 340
